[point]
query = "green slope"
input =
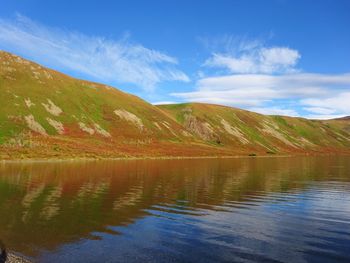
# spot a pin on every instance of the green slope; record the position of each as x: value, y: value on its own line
x: 48, y: 114
x: 232, y: 127
x: 46, y: 102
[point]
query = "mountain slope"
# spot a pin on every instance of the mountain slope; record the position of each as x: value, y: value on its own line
x: 48, y: 114
x: 340, y: 123
x: 40, y: 106
x: 232, y: 128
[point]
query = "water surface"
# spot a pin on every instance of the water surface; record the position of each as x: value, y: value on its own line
x: 229, y: 210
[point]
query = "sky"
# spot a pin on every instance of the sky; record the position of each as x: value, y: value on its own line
x: 286, y: 57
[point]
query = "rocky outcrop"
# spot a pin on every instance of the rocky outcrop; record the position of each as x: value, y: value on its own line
x: 200, y: 128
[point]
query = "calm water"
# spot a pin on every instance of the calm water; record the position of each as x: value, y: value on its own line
x: 232, y: 210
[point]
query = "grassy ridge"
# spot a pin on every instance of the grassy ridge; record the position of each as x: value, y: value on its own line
x: 249, y: 130
x: 48, y: 114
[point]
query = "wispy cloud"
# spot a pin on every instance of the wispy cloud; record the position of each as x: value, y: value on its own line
x: 261, y: 60
x: 105, y: 60
x: 255, y: 89
x: 251, y: 75
x: 241, y: 55
x: 313, y: 95
x: 230, y: 44
x: 164, y: 102
x: 337, y: 104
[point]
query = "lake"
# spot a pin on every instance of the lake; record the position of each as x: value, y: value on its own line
x: 290, y: 209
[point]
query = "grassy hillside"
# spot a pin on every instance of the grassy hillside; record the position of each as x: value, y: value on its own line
x: 42, y: 108
x: 341, y: 123
x: 234, y: 128
x: 47, y: 114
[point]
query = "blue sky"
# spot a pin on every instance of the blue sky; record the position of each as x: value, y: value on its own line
x: 274, y: 57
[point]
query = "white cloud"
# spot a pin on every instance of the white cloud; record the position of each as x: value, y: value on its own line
x: 266, y: 79
x: 99, y: 58
x: 243, y: 64
x: 339, y: 103
x: 163, y: 102
x: 267, y: 87
x: 255, y: 91
x: 324, y: 116
x: 277, y: 59
x: 259, y: 59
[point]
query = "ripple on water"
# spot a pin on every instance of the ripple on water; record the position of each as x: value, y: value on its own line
x: 261, y: 210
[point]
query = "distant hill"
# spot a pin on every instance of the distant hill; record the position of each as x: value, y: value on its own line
x: 346, y: 118
x: 46, y: 114
x: 341, y: 123
x: 236, y: 128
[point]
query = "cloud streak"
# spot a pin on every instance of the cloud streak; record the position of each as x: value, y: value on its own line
x: 250, y: 75
x: 252, y: 57
x: 265, y: 60
x: 256, y: 91
x: 101, y: 59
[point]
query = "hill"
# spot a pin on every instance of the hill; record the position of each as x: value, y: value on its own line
x: 47, y: 114
x: 346, y: 118
x: 234, y: 128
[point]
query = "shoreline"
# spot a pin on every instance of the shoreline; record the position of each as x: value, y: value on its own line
x: 91, y: 159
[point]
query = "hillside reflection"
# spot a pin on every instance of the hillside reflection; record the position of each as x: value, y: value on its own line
x: 45, y: 205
